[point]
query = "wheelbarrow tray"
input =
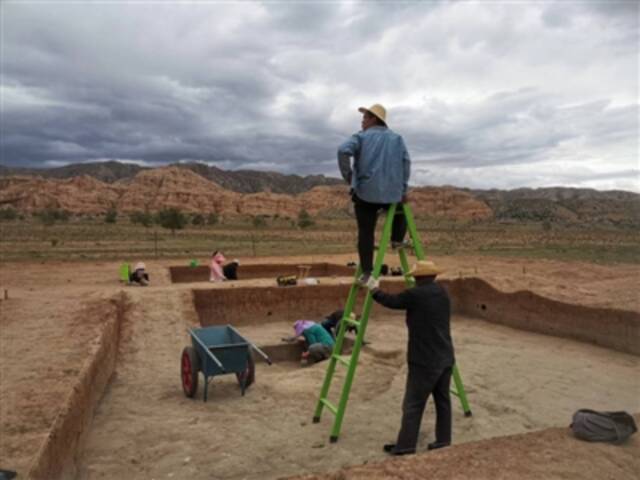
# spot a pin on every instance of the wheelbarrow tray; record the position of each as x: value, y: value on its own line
x: 223, y: 343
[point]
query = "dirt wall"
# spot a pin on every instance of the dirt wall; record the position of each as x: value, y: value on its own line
x: 548, y: 453
x: 253, y: 305
x: 181, y: 274
x: 611, y: 328
x: 57, y: 457
x: 615, y: 329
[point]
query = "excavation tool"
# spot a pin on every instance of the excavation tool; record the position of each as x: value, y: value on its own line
x: 350, y: 362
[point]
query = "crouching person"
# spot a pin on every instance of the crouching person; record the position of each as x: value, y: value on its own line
x: 319, y: 344
x: 139, y: 275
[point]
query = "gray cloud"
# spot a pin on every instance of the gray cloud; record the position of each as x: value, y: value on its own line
x: 486, y: 94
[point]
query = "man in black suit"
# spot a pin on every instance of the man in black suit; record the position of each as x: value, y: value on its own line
x: 430, y: 356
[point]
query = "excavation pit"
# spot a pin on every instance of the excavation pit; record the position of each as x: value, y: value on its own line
x: 517, y: 381
x: 182, y: 274
x: 291, y: 353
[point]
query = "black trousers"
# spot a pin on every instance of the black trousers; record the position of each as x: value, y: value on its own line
x: 230, y: 271
x: 367, y: 216
x: 422, y: 382
x: 138, y: 275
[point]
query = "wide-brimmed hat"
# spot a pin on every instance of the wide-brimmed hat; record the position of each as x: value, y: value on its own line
x: 425, y: 268
x: 376, y: 110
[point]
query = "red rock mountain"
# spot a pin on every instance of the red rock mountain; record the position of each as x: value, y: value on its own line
x: 155, y: 189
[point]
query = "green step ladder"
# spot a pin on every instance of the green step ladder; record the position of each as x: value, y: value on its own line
x: 349, y: 319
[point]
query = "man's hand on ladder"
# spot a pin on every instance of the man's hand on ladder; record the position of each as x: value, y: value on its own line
x: 372, y: 283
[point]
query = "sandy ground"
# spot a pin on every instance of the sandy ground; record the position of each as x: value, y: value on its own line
x: 146, y: 428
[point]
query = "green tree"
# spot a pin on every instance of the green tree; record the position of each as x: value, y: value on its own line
x: 142, y: 218
x: 171, y: 218
x: 197, y: 219
x: 8, y: 213
x: 111, y: 215
x: 304, y: 219
x: 259, y: 221
x: 51, y: 215
x: 213, y: 219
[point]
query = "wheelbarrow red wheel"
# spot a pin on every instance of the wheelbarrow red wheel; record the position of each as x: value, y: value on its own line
x: 249, y: 375
x: 189, y: 367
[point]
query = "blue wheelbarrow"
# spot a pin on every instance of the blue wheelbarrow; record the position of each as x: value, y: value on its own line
x: 216, y: 351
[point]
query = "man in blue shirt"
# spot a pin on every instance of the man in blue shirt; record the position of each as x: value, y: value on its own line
x: 379, y: 177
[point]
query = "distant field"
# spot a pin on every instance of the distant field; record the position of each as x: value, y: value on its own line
x: 92, y: 239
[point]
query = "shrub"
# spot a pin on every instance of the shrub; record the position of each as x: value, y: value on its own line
x: 259, y: 221
x: 197, y: 219
x: 49, y: 216
x: 304, y: 219
x: 8, y: 213
x: 111, y: 215
x: 171, y: 218
x: 142, y: 218
x: 213, y: 219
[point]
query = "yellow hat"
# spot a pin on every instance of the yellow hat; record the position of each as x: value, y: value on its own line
x: 425, y: 268
x: 376, y: 110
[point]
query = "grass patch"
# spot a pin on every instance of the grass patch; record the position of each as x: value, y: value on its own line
x: 93, y: 239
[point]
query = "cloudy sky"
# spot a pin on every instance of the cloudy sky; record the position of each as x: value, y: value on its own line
x: 488, y: 94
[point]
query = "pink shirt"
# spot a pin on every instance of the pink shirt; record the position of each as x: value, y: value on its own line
x: 215, y: 268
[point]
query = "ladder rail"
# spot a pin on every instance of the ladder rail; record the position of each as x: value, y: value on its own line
x: 355, y: 352
x: 337, y: 347
x: 364, y: 320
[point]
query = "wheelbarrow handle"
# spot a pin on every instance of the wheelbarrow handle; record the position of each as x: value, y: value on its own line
x: 264, y: 355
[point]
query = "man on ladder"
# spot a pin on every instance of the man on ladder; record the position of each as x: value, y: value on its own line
x: 380, y: 177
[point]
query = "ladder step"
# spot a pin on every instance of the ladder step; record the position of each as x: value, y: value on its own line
x: 342, y: 360
x: 332, y: 408
x: 352, y: 321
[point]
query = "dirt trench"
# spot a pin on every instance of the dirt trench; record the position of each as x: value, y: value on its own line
x: 144, y: 427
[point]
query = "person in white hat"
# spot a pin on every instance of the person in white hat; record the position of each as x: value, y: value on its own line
x: 379, y: 177
x: 139, y: 275
x: 430, y: 356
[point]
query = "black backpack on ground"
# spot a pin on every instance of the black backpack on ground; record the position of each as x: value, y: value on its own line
x: 594, y: 426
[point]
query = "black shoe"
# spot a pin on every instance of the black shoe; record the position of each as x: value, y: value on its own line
x: 390, y: 448
x: 437, y: 445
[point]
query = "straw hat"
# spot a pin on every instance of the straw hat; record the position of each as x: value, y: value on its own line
x: 376, y: 110
x: 425, y: 268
